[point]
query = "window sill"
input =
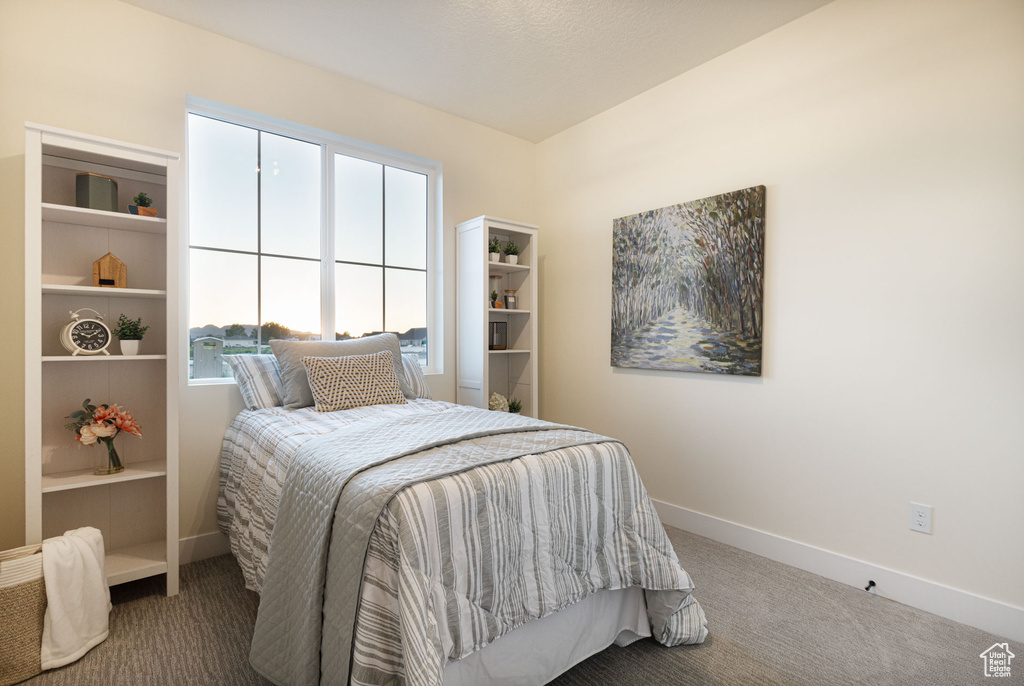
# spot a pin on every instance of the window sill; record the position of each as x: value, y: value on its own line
x: 223, y: 381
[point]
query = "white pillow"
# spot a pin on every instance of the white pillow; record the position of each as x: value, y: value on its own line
x: 339, y: 383
x: 259, y: 379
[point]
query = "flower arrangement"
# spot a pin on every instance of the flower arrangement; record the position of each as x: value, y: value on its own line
x: 102, y: 424
x: 498, y: 403
x: 515, y: 406
x: 130, y: 329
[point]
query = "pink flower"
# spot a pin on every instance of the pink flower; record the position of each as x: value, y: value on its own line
x: 125, y: 422
x: 103, y: 430
x: 86, y: 435
x: 104, y: 413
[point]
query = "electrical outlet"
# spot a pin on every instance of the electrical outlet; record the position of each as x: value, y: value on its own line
x: 921, y: 518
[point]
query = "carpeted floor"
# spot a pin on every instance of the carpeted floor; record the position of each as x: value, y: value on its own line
x: 771, y: 625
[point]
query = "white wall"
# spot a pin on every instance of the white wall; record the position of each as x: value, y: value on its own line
x: 890, y: 136
x: 111, y: 69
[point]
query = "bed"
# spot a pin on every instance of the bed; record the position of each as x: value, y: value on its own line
x: 421, y: 542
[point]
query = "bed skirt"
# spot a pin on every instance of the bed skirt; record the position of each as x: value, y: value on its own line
x: 557, y: 642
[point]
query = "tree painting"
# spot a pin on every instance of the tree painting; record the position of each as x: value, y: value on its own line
x: 687, y: 286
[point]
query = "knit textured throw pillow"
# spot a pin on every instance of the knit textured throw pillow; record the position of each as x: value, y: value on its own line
x: 339, y: 383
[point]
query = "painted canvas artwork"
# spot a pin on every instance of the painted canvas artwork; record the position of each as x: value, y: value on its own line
x: 687, y: 286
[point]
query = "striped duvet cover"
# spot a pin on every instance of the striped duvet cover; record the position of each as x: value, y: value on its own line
x: 454, y: 563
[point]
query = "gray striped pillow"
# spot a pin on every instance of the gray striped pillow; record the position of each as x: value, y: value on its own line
x: 414, y: 376
x: 259, y: 379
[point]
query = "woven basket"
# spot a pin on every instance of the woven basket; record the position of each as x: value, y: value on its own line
x: 22, y: 606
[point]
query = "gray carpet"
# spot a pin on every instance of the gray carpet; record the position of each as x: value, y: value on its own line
x: 770, y: 625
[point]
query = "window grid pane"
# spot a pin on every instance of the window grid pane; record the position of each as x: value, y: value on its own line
x: 359, y: 210
x: 222, y: 285
x: 405, y: 218
x: 405, y: 301
x: 223, y: 164
x: 290, y: 295
x: 289, y: 196
x: 359, y: 300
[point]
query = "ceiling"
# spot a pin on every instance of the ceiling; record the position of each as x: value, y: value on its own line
x: 531, y: 68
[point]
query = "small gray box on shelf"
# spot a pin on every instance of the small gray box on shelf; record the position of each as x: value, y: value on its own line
x: 95, y: 192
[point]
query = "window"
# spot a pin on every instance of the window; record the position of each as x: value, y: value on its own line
x: 303, y: 235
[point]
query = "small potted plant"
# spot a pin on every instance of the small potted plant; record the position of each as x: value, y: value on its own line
x: 130, y: 332
x: 515, y: 406
x: 494, y: 249
x: 511, y: 253
x: 143, y: 206
x: 494, y: 299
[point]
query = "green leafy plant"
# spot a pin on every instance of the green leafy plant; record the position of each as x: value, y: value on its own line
x: 142, y: 200
x: 494, y: 296
x: 270, y: 331
x: 494, y: 245
x: 511, y: 248
x: 130, y: 329
x: 235, y: 331
x: 515, y: 406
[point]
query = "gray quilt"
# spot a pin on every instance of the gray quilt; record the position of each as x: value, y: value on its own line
x: 330, y: 506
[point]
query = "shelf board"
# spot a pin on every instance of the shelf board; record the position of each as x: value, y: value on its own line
x: 136, y: 562
x: 84, y: 478
x: 502, y: 310
x: 506, y: 268
x: 507, y: 352
x: 66, y: 214
x: 101, y: 358
x: 61, y: 289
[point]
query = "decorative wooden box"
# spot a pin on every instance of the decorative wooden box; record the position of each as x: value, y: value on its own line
x: 109, y: 272
x: 95, y: 192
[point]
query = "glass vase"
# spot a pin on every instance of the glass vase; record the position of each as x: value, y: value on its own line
x: 112, y: 465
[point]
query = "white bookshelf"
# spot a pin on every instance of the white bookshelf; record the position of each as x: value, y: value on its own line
x: 114, y: 357
x: 136, y: 562
x: 100, y: 292
x: 81, y: 216
x: 481, y: 371
x: 136, y: 509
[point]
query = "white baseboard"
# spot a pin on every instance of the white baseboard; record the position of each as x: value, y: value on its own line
x: 960, y: 606
x: 203, y: 546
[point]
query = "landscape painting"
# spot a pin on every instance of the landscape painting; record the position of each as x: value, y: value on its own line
x: 687, y: 286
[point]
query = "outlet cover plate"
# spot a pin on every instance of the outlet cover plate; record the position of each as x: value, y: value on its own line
x: 921, y: 518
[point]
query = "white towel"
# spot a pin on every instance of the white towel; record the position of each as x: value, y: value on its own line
x: 77, y: 596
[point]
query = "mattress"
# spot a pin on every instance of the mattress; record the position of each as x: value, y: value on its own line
x: 572, y: 492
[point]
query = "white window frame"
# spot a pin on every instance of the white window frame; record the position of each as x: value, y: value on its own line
x: 331, y: 144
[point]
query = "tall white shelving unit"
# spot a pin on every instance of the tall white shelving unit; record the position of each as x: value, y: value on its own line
x: 137, y: 509
x: 481, y: 371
